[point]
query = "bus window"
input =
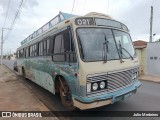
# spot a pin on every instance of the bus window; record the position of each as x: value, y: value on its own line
x: 45, y: 47
x: 59, y: 48
x: 35, y: 50
x: 30, y: 49
x: 27, y: 52
x: 48, y: 43
x: 62, y: 46
x: 58, y: 44
x: 21, y: 53
x: 124, y: 40
x: 40, y: 48
x: 17, y: 54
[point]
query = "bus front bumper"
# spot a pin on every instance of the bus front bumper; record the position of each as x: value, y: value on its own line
x: 105, y: 99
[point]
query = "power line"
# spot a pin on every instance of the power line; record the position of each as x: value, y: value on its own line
x: 16, y: 15
x: 15, y: 18
x: 73, y: 6
x: 7, y: 13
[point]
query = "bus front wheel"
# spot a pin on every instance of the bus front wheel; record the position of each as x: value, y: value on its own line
x: 65, y: 95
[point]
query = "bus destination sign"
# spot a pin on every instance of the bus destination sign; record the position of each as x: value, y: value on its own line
x: 84, y: 21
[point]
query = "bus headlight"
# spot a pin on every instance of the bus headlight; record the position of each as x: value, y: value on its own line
x: 95, y: 86
x: 102, y: 85
x: 134, y: 75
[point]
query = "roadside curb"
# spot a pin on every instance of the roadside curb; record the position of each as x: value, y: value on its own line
x: 149, y: 81
x: 41, y: 104
x: 25, y: 86
x: 11, y: 70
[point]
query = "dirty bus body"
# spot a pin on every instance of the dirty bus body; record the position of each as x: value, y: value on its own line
x: 89, y: 60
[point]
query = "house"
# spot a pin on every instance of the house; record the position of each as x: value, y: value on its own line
x: 140, y: 47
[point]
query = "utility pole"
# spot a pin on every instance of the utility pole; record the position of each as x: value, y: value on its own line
x: 10, y: 55
x: 151, y: 22
x: 2, y: 47
x: 2, y: 41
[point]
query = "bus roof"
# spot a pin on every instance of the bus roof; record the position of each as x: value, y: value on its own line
x: 60, y: 18
x: 53, y: 22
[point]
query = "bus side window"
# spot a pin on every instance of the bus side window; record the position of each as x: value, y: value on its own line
x: 63, y: 49
x: 17, y: 54
x: 24, y: 52
x: 35, y: 50
x: 27, y: 53
x: 40, y: 46
x: 58, y: 48
x: 21, y: 53
x: 45, y: 47
x: 30, y: 49
x: 58, y: 44
x: 48, y: 43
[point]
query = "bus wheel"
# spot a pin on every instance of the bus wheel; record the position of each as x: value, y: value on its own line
x: 66, y: 98
x: 23, y: 74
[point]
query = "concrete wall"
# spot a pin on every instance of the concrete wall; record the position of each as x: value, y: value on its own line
x: 153, y: 59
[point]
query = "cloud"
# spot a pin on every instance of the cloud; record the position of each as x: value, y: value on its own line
x: 16, y: 35
x: 137, y: 17
x: 35, y: 13
x: 31, y: 4
x: 13, y: 6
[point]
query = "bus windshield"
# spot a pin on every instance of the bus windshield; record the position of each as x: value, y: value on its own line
x: 124, y: 44
x: 98, y: 44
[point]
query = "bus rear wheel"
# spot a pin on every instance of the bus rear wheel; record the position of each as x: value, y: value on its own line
x: 66, y: 98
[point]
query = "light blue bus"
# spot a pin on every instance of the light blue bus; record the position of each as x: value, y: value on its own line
x: 88, y: 60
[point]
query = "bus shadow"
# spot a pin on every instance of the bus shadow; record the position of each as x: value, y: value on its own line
x: 53, y: 103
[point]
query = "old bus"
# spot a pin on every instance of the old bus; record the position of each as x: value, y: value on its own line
x: 88, y: 60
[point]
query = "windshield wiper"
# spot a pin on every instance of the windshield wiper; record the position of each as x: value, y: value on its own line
x: 121, y: 48
x: 105, y: 45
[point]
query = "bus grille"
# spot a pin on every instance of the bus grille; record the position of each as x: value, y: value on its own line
x: 119, y: 80
x: 115, y: 81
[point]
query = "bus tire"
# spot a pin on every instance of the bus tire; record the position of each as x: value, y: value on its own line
x: 66, y: 99
x: 23, y: 73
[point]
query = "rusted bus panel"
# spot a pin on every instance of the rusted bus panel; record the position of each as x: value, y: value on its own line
x: 43, y: 72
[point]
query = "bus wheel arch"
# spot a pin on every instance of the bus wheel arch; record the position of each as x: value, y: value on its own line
x: 62, y: 87
x: 57, y: 84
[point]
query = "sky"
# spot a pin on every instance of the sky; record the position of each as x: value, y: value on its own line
x: 35, y: 13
